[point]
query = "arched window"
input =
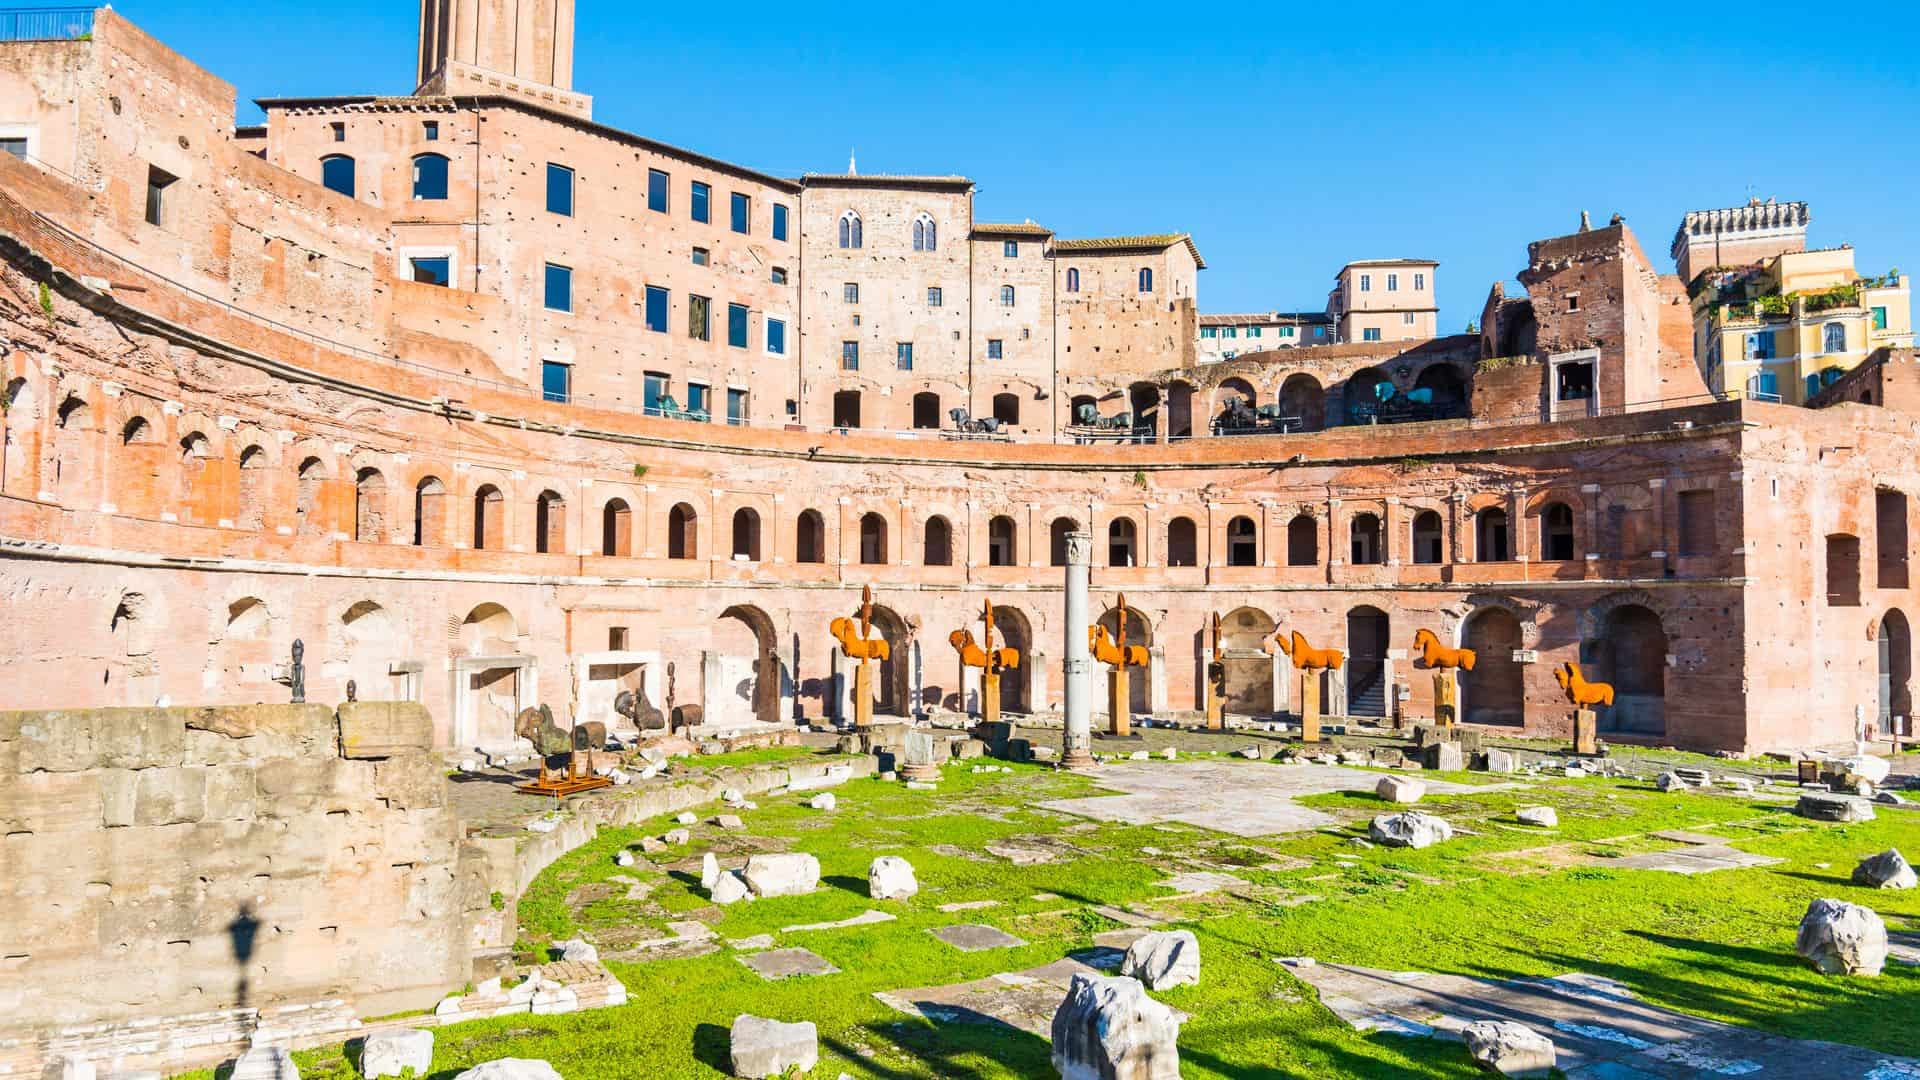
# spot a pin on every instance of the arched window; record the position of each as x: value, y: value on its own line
x: 926, y: 410
x: 746, y: 534
x: 810, y: 538
x: 1364, y: 540
x: 873, y: 539
x: 1006, y: 409
x: 1426, y: 537
x: 1490, y: 535
x: 488, y: 508
x: 1183, y: 547
x: 1006, y: 296
x: 369, y: 506
x: 550, y: 524
x: 1243, y: 542
x: 1073, y: 279
x: 136, y: 431
x: 306, y: 498
x: 336, y: 174
x: 1303, y: 541
x: 429, y: 506
x: 1000, y: 541
x: 1061, y: 528
x: 1834, y: 338
x: 1556, y: 532
x: 925, y: 234
x: 253, y: 479
x: 616, y: 528
x: 683, y: 532
x: 1121, y: 543
x: 849, y: 230
x: 938, y: 545
x: 429, y: 176
x: 1146, y: 279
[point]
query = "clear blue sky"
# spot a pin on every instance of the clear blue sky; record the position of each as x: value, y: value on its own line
x: 1286, y: 141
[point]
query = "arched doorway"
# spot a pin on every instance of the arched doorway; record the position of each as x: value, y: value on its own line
x: 1144, y: 400
x: 1367, y: 629
x: 1013, y: 630
x: 1449, y: 391
x: 743, y: 669
x: 1058, y: 532
x: 1895, y: 646
x: 746, y: 535
x: 1180, y: 410
x: 893, y: 683
x: 1631, y: 653
x: 1494, y: 692
x: 1249, y: 674
x: 1303, y: 403
x: 1363, y: 394
x: 1139, y: 680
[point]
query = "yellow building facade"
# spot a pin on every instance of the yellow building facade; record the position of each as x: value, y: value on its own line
x: 1788, y: 326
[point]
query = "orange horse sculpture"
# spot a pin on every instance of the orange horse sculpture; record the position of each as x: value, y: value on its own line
x: 986, y: 657
x: 1436, y: 655
x: 1107, y: 651
x: 1579, y: 691
x: 1306, y: 657
x: 854, y: 642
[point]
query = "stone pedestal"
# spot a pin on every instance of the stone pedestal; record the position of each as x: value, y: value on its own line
x: 990, y: 697
x: 1119, y: 702
x: 1446, y: 698
x: 1586, y: 732
x: 1216, y: 695
x: 1310, y: 706
x: 1076, y: 751
x: 920, y: 758
x: 862, y: 694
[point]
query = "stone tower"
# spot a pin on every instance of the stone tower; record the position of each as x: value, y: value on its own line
x: 519, y: 48
x: 1738, y: 235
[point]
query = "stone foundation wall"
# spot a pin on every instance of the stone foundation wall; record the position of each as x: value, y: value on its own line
x: 172, y: 861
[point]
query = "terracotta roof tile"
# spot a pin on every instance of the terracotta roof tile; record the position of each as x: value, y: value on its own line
x: 1119, y: 244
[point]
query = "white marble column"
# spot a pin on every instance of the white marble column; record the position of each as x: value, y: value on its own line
x: 1077, y: 751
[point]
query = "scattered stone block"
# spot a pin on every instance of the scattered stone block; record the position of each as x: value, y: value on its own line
x: 1443, y: 756
x: 1397, y: 789
x: 1410, y: 829
x: 264, y: 1063
x: 1138, y: 755
x: 1821, y: 807
x: 824, y: 801
x: 889, y: 776
x: 1170, y: 753
x: 976, y: 937
x: 1109, y: 1029
x: 1163, y: 958
x: 511, y: 1069
x: 1888, y: 798
x: 729, y: 821
x: 759, y: 1047
x: 391, y: 1053
x: 1251, y: 753
x: 678, y: 836
x: 380, y: 729
x: 624, y: 858
x: 1694, y: 777
x: 1509, y: 1049
x: 727, y: 889
x: 1043, y: 753
x: 1670, y: 782
x: 578, y: 949
x: 969, y: 748
x: 1866, y: 767
x: 1839, y: 938
x: 791, y: 874
x: 709, y: 870
x: 788, y: 963
x: 891, y: 878
x: 652, y: 845
x: 1887, y: 870
x: 732, y: 796
x: 1500, y: 761
x: 687, y: 817
x: 921, y: 785
x: 1543, y: 816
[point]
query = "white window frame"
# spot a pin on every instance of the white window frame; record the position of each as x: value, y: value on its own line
x: 29, y: 132
x: 406, y: 255
x: 766, y: 340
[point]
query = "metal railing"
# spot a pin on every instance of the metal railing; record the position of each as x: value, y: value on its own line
x: 46, y: 24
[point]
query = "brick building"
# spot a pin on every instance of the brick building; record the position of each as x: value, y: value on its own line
x: 238, y: 416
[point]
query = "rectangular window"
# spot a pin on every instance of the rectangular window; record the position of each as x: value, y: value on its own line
x: 777, y: 337
x: 16, y: 147
x: 850, y: 292
x: 556, y: 381
x: 655, y: 387
x: 1366, y: 282
x: 1696, y: 522
x: 432, y: 269
x: 1371, y: 333
x: 559, y: 287
x: 1011, y: 249
x: 1406, y: 319
x: 736, y: 406
x: 702, y: 197
x: 850, y: 356
x: 559, y: 190
x: 933, y: 296
x: 1759, y: 345
x: 700, y: 318
x: 701, y: 256
x: 903, y: 356
x: 737, y: 325
x: 1209, y: 331
x: 1286, y: 331
x: 698, y: 397
x: 741, y: 212
x: 779, y: 275
x: 430, y: 129
x: 1419, y: 282
x: 1573, y: 302
x: 158, y: 182
x: 1879, y: 318
x: 656, y: 308
x: 339, y: 131
x: 994, y: 349
x: 779, y: 221
x: 1393, y: 282
x: 1253, y: 331
x: 1233, y: 331
x: 657, y: 190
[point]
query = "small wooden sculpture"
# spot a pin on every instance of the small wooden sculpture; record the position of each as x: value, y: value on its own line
x: 1436, y: 655
x: 990, y: 660
x: 1119, y: 656
x: 858, y: 644
x: 1581, y: 693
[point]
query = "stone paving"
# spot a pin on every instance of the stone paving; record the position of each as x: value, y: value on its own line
x: 1021, y: 999
x: 976, y: 937
x: 1263, y: 795
x: 787, y: 963
x: 1602, y: 1031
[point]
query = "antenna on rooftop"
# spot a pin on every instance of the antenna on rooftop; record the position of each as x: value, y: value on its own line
x: 852, y: 168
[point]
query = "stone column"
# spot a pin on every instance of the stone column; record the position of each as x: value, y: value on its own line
x: 1077, y: 749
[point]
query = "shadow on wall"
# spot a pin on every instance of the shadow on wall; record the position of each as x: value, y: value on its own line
x: 242, y: 931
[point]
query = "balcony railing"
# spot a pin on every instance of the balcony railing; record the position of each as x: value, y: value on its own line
x: 46, y: 24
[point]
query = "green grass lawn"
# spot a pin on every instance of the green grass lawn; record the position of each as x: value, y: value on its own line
x: 1499, y: 901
